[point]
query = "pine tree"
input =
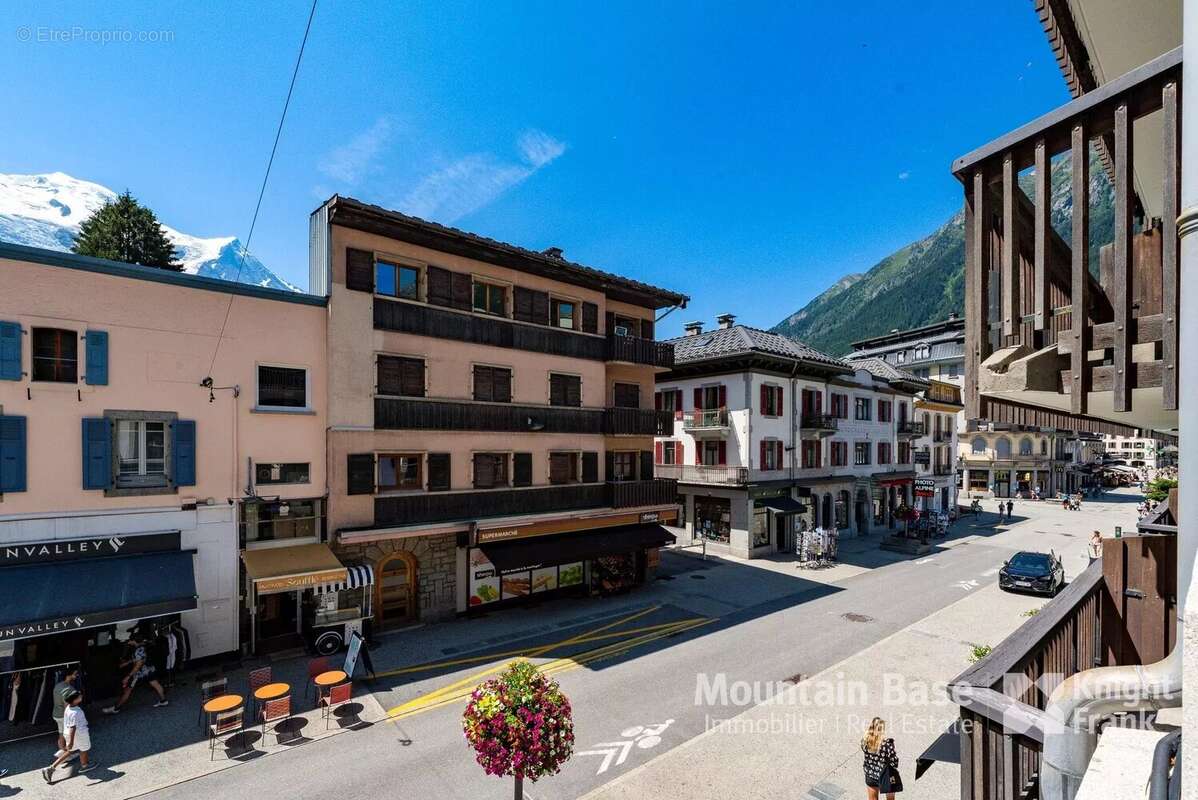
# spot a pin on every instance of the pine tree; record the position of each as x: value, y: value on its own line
x: 125, y: 230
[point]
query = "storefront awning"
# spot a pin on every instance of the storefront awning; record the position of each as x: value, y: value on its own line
x: 543, y: 551
x: 356, y: 577
x: 56, y: 597
x: 285, y: 569
x: 784, y: 505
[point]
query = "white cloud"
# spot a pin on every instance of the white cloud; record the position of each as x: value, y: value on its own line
x: 357, y: 158
x: 474, y: 181
x: 902, y: 176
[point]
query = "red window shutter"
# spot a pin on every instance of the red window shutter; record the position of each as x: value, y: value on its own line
x: 762, y: 455
x: 723, y: 396
x: 723, y: 449
x: 657, y: 400
x: 779, y: 406
x: 765, y: 398
x: 819, y: 402
x: 778, y: 453
x: 698, y: 399
x: 657, y: 449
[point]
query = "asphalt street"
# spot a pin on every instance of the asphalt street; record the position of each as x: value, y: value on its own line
x: 632, y: 676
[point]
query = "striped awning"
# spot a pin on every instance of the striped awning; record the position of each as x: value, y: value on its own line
x: 355, y: 577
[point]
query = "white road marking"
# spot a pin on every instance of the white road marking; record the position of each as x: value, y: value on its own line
x: 990, y: 572
x: 967, y: 585
x: 643, y: 736
x: 924, y: 560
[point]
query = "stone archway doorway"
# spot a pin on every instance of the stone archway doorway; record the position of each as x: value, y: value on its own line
x: 396, y: 582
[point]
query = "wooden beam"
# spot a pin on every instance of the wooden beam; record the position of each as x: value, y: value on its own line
x: 1170, y: 255
x: 1143, y: 375
x: 977, y: 283
x: 1079, y: 293
x: 1042, y: 224
x: 1121, y: 266
x: 1009, y: 282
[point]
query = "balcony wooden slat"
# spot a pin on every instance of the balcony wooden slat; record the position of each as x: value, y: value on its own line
x: 1143, y: 330
x: 1141, y: 375
x: 1122, y: 261
x: 1170, y: 256
x: 1081, y: 269
x: 1042, y: 225
x: 977, y: 289
x: 1010, y: 250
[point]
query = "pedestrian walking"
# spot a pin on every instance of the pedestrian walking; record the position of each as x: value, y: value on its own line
x: 1095, y: 547
x: 78, y: 739
x: 139, y: 671
x: 1010, y: 509
x: 62, y: 690
x: 881, y: 762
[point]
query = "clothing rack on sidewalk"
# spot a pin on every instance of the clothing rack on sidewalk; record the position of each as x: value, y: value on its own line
x: 26, y: 700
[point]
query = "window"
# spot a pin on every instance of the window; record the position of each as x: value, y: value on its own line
x: 490, y: 470
x: 282, y: 519
x: 396, y: 280
x: 840, y: 406
x: 282, y: 387
x: 771, y: 401
x: 626, y: 326
x: 563, y: 468
x: 563, y: 314
x: 861, y: 454
x: 492, y: 384
x: 840, y: 454
x: 141, y: 453
x: 884, y: 411
x: 669, y: 400
x: 811, y: 454
x: 901, y: 356
x: 954, y: 370
x: 627, y: 395
x: 922, y: 372
x: 671, y: 452
x: 771, y: 455
x: 904, y: 452
x: 623, y: 465
x: 761, y: 526
x: 978, y: 445
x: 712, y: 453
x: 711, y: 397
x: 1002, y: 448
x: 400, y: 376
x: 1044, y: 447
x: 268, y: 474
x: 565, y: 390
x: 400, y: 471
x: 864, y: 409
x: 1026, y: 447
x: 55, y: 355
x: 883, y: 452
x: 490, y: 298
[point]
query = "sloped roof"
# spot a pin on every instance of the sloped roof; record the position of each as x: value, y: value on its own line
x: 743, y: 340
x: 886, y: 371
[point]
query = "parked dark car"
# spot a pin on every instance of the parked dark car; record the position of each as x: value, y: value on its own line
x: 1032, y: 572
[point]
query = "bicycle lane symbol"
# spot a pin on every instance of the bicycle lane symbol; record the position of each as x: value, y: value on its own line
x: 643, y: 737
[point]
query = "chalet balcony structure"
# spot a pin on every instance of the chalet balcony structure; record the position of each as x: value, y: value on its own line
x: 1047, y: 344
x: 818, y: 426
x: 711, y: 421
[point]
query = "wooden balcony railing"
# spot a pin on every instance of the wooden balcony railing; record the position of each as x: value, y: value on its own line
x: 638, y: 422
x: 414, y: 509
x: 405, y: 413
x: 1027, y: 291
x: 694, y: 473
x: 636, y: 350
x: 706, y: 418
x: 632, y: 494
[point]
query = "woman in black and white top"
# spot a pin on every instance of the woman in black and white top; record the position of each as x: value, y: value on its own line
x: 879, y: 754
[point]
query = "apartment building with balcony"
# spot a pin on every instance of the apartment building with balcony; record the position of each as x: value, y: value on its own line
x: 153, y: 424
x: 1139, y: 451
x: 935, y: 351
x: 491, y: 415
x: 1000, y: 460
x: 937, y: 407
x: 770, y: 436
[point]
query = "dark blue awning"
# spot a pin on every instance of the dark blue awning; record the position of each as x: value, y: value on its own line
x: 55, y: 597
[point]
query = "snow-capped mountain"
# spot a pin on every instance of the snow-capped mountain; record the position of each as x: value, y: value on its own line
x: 47, y: 210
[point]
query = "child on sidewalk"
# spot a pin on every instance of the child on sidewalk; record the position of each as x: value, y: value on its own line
x: 78, y: 739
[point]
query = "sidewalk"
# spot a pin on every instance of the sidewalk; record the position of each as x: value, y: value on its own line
x: 796, y: 746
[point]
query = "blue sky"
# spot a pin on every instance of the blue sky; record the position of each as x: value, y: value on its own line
x: 747, y: 154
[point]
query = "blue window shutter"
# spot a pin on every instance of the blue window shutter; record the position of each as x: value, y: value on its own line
x: 97, y: 453
x: 97, y: 358
x: 183, y: 452
x: 12, y: 454
x: 10, y: 351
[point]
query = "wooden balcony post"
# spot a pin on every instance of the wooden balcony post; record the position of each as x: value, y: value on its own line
x: 1011, y: 311
x: 1079, y: 294
x: 1122, y: 267
x: 1043, y: 225
x: 1171, y: 256
x: 977, y: 285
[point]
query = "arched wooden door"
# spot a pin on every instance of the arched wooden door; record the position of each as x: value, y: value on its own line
x: 395, y: 586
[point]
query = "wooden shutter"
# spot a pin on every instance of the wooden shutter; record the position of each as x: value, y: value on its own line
x: 646, y: 329
x: 590, y: 467
x: 723, y: 453
x: 412, y: 377
x: 359, y: 473
x: 10, y: 351
x: 590, y: 318
x: 183, y: 452
x: 462, y: 289
x: 723, y: 403
x: 559, y: 467
x: 698, y: 454
x: 627, y: 395
x: 501, y: 381
x: 13, y: 458
x: 484, y: 470
x: 97, y: 453
x: 657, y: 400
x: 359, y: 270
x: 609, y: 466
x: 557, y: 390
x: 522, y: 469
x: 540, y: 308
x: 96, y: 353
x: 765, y: 394
x: 778, y: 406
x: 646, y: 471
x: 484, y: 385
x: 438, y: 472
x: 678, y: 404
x: 609, y: 323
x: 778, y: 453
x: 440, y: 291
x: 522, y: 304
x: 573, y: 391
x: 761, y: 454
x: 698, y: 399
x: 658, y: 449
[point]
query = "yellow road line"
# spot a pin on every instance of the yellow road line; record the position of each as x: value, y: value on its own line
x: 448, y: 695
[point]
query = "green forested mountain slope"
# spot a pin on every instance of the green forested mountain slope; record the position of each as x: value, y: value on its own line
x: 925, y: 281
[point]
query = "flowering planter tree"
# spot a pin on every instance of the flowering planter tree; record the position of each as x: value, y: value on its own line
x: 520, y: 724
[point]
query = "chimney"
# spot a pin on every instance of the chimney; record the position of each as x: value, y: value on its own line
x: 693, y: 328
x: 726, y: 320
x: 553, y: 252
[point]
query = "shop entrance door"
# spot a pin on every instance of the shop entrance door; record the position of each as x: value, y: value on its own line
x: 395, y: 591
x: 278, y: 621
